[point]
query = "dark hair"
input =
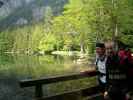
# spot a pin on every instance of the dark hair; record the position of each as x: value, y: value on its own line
x: 101, y: 45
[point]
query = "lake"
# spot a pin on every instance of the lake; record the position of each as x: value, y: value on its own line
x: 14, y: 68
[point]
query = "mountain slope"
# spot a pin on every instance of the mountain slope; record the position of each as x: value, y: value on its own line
x: 28, y: 11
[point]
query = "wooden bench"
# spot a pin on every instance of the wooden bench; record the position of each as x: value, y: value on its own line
x: 38, y: 83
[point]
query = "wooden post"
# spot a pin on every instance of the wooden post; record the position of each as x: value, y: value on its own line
x: 38, y: 91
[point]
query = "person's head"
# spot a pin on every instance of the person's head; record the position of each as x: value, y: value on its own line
x: 100, y: 49
x: 109, y: 46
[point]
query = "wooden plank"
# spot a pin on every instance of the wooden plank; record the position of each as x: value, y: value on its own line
x: 75, y: 94
x: 54, y: 79
x: 91, y: 91
x: 95, y: 97
x: 48, y: 80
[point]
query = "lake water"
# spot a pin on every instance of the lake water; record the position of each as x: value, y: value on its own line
x: 14, y: 68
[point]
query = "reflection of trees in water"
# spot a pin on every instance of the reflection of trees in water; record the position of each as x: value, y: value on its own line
x: 10, y: 90
x: 36, y: 66
x: 6, y: 59
x: 18, y: 67
x: 23, y: 67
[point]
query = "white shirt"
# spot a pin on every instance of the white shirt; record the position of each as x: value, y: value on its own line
x: 101, y: 66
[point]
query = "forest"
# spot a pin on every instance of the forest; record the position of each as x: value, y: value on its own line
x: 77, y: 27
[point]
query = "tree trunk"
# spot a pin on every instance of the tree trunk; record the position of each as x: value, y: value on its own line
x: 82, y: 47
x: 114, y: 27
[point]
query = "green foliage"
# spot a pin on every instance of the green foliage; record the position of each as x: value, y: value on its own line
x: 81, y: 24
x: 6, y: 41
x: 37, y: 34
x: 48, y: 43
x: 127, y: 39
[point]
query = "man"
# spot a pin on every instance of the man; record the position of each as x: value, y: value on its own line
x: 116, y: 74
x: 101, y: 65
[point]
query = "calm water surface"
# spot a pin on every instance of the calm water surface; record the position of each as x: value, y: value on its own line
x: 17, y: 67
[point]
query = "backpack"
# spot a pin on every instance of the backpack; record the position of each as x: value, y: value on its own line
x: 125, y: 57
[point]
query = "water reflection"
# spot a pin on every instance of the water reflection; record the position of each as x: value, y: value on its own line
x: 16, y: 67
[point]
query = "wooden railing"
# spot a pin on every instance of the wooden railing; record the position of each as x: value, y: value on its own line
x: 38, y: 84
